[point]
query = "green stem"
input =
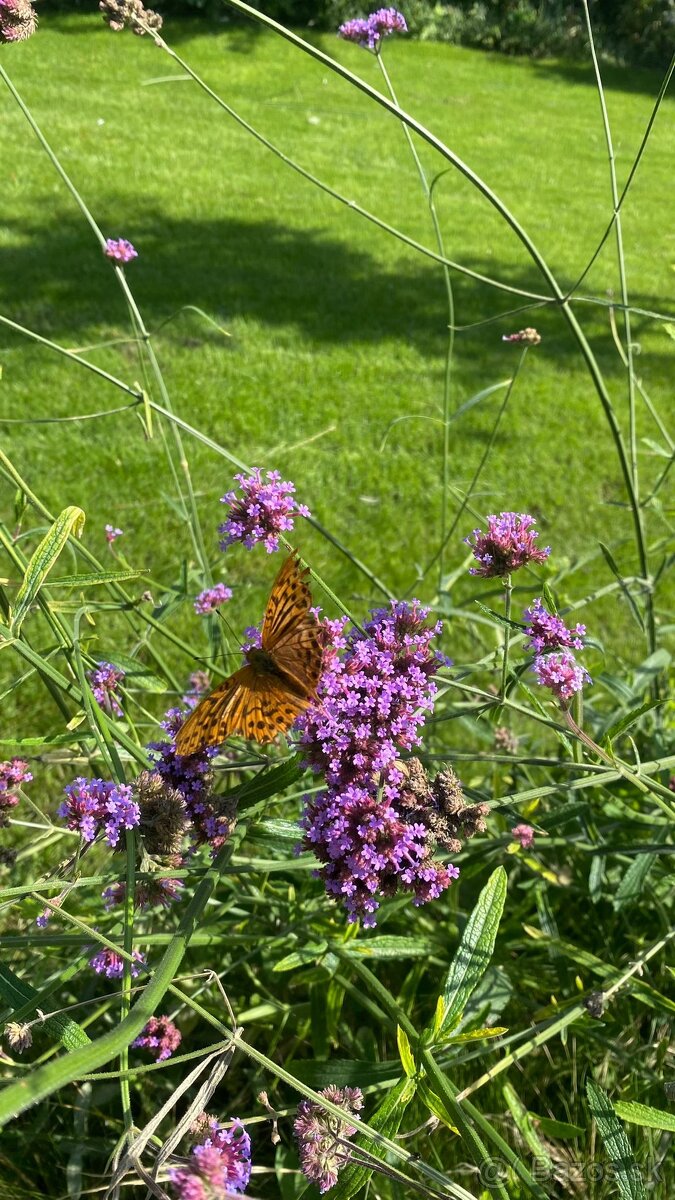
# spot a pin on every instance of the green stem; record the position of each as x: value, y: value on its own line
x: 508, y: 593
x: 447, y: 376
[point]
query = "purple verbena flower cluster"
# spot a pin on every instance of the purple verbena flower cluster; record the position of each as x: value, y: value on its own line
x: 199, y: 685
x: 18, y: 20
x: 369, y: 31
x: 211, y: 599
x: 149, y: 893
x: 13, y: 775
x: 190, y: 775
x: 510, y: 543
x: 560, y: 672
x: 219, y: 1164
x: 104, y: 680
x: 523, y: 834
x: 119, y: 250
x: 92, y: 806
x: 317, y: 1132
x: 555, y: 666
x: 161, y: 1036
x: 111, y: 964
x: 546, y: 631
x: 112, y: 533
x: 375, y: 691
x: 263, y: 511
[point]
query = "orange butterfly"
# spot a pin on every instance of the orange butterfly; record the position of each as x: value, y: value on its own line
x: 279, y: 681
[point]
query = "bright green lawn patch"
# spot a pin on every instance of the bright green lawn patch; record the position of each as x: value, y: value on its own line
x: 337, y: 330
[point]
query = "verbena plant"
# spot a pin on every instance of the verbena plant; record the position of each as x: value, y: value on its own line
x: 504, y: 1029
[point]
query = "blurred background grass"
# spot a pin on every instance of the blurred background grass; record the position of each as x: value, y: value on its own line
x: 337, y: 330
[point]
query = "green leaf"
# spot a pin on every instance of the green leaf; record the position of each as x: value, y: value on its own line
x: 16, y: 992
x: 91, y: 580
x: 69, y: 523
x: 524, y: 1125
x: 434, y: 1103
x: 476, y: 1034
x: 298, y: 958
x: 632, y: 883
x: 644, y: 1114
x: 386, y: 1120
x: 405, y: 1051
x: 609, y: 558
x: 630, y: 718
x: 626, y: 1174
x: 475, y: 949
x: 556, y: 1129
x: 389, y: 947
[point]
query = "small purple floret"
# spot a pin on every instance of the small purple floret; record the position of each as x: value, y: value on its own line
x: 510, y: 543
x: 112, y: 534
x: 119, y: 250
x: 262, y: 512
x: 211, y: 599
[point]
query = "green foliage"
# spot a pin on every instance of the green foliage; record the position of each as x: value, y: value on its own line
x: 539, y: 970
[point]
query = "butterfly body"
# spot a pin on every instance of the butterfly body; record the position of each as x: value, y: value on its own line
x: 263, y: 698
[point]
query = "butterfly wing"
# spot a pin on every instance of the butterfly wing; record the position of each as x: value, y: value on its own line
x: 250, y: 703
x: 290, y: 600
x: 298, y: 654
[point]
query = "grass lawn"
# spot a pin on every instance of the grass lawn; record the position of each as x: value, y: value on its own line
x: 337, y: 330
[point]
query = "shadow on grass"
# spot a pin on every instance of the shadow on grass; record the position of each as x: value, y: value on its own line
x: 56, y: 282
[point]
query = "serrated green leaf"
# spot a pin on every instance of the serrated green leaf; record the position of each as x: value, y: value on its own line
x: 386, y: 1120
x: 626, y: 1174
x: 475, y: 949
x: 644, y: 1114
x: 16, y: 992
x: 405, y: 1052
x: 69, y: 523
x: 632, y: 883
x: 92, y: 580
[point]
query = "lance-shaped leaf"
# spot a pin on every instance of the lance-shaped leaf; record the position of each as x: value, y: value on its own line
x: 69, y: 523
x: 473, y: 953
x: 644, y: 1114
x: 625, y: 1169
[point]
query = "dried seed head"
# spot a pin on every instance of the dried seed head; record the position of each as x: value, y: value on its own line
x: 163, y: 817
x: 127, y: 14
x: 19, y: 1037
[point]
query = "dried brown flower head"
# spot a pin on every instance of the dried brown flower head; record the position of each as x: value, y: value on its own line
x: 130, y: 14
x: 163, y: 817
